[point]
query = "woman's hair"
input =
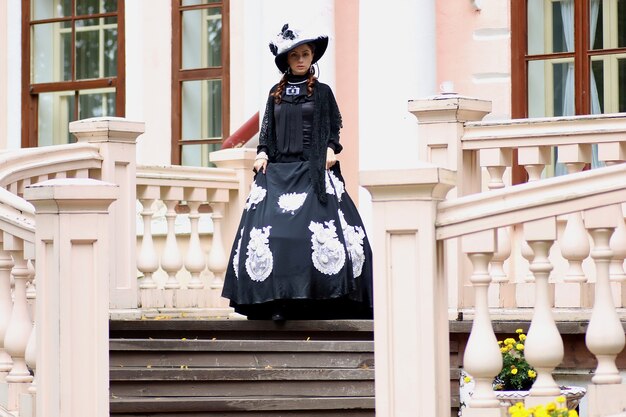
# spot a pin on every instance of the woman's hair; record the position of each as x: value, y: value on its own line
x: 283, y: 81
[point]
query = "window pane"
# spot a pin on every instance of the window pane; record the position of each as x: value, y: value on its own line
x: 51, y: 45
x: 621, y: 85
x: 550, y: 88
x: 47, y: 9
x: 198, y: 155
x: 96, y: 103
x: 596, y: 24
x: 202, y: 110
x: 196, y: 2
x: 84, y: 7
x: 202, y: 38
x: 55, y: 112
x: 621, y: 23
x: 96, y: 48
x: 597, y: 86
x: 550, y: 26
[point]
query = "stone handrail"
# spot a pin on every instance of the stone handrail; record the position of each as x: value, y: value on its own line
x: 531, y: 201
x: 21, y: 167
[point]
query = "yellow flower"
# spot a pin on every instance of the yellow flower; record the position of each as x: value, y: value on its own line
x: 533, y: 374
x: 518, y: 331
x: 560, y: 399
x: 503, y: 349
x: 522, y: 337
x: 519, y: 346
x: 551, y: 407
x: 500, y: 342
x: 509, y: 341
x: 514, y: 371
x: 467, y: 379
x: 572, y: 413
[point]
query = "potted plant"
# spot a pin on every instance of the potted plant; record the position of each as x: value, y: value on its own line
x: 516, y: 378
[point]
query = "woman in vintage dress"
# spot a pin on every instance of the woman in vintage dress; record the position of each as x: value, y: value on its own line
x: 301, y: 251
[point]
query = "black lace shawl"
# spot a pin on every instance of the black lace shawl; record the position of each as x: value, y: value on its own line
x: 326, y: 125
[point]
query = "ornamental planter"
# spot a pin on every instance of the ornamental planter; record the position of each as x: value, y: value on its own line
x: 572, y: 395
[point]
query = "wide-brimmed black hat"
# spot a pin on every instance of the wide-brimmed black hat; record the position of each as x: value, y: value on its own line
x: 289, y: 39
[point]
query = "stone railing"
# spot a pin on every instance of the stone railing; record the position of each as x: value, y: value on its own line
x: 74, y: 206
x: 185, y: 198
x: 481, y: 152
x: 415, y: 247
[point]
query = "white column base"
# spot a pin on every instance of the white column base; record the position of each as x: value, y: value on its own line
x: 27, y: 405
x: 4, y: 395
x: 15, y: 390
x: 605, y: 400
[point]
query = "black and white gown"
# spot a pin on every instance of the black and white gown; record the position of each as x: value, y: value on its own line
x: 294, y: 254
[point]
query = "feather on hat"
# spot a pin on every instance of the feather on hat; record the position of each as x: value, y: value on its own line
x: 289, y: 39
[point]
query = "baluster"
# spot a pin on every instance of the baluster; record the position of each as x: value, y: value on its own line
x: 6, y: 306
x: 482, y: 358
x: 147, y: 261
x: 171, y: 261
x: 574, y: 242
x: 605, y: 335
x: 496, y: 160
x: 20, y: 325
x: 218, y: 262
x: 31, y: 347
x: 544, y: 346
x: 195, y: 261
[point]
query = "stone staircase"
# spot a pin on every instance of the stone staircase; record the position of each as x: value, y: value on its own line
x: 232, y: 368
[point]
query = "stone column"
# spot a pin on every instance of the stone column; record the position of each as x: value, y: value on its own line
x: 441, y: 123
x: 410, y: 292
x: 117, y: 140
x: 73, y: 267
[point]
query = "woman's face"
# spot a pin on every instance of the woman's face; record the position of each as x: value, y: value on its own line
x: 299, y: 59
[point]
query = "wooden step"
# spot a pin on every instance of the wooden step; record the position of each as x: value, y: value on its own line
x: 241, y: 353
x: 198, y: 405
x: 274, y: 384
x: 238, y: 374
x: 243, y: 329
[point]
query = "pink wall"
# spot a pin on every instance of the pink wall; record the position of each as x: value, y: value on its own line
x: 347, y: 88
x: 473, y: 50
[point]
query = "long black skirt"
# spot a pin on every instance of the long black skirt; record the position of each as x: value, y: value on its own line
x: 295, y: 255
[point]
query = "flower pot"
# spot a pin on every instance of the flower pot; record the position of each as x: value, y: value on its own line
x: 572, y: 396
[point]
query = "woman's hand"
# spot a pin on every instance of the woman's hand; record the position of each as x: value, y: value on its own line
x: 331, y: 159
x: 260, y: 163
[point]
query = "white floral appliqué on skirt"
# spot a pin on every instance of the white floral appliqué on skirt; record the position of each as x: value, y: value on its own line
x: 259, y: 261
x: 236, y: 256
x: 334, y: 185
x: 257, y: 194
x: 329, y: 254
x: 354, y: 236
x: 291, y: 202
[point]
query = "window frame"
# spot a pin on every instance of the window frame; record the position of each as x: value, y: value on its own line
x: 31, y: 91
x: 520, y: 58
x: 180, y: 75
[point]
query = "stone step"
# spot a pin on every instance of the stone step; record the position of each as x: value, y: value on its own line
x: 243, y: 329
x: 242, y: 383
x: 257, y: 406
x: 240, y: 353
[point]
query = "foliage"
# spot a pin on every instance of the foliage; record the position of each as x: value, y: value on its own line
x: 516, y: 373
x: 553, y: 409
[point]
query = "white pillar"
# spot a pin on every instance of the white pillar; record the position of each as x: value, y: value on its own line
x: 410, y: 292
x: 117, y: 140
x: 73, y: 266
